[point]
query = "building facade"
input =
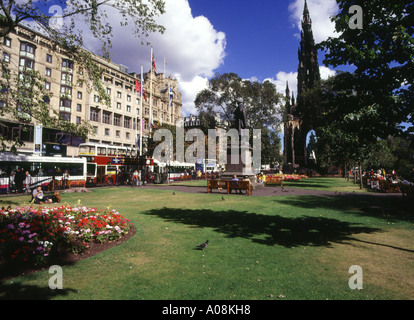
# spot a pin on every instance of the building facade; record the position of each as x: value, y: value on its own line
x: 118, y: 124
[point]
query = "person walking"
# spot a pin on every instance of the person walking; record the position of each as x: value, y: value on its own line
x: 12, y: 183
x: 28, y: 181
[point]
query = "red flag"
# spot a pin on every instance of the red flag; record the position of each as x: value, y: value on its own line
x: 153, y: 63
x: 138, y: 88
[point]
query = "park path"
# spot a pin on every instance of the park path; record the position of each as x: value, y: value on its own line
x: 270, y: 191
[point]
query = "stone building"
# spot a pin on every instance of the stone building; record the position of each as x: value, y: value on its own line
x: 118, y: 124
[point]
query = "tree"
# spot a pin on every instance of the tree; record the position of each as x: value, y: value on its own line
x: 369, y: 104
x: 382, y: 52
x: 261, y: 101
x: 23, y: 94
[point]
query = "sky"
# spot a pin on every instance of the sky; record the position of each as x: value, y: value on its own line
x: 257, y: 41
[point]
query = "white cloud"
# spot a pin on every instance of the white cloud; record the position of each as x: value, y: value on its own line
x: 193, y: 49
x: 326, y: 72
x: 321, y: 12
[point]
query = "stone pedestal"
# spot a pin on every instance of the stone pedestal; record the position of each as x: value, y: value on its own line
x: 240, y: 164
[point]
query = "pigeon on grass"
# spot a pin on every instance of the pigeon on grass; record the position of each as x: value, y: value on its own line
x: 203, y: 245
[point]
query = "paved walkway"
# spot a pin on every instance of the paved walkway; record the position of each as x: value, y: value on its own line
x: 270, y: 191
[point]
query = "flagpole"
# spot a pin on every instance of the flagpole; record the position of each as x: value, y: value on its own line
x: 151, y: 117
x: 140, y: 112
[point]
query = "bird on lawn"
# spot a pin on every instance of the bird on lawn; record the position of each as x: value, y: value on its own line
x: 203, y: 245
x: 222, y: 198
x: 174, y: 193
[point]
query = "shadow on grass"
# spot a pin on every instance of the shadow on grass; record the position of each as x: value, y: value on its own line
x: 16, y: 291
x: 390, y: 208
x: 267, y: 229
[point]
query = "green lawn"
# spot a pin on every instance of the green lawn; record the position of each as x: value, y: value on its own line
x: 300, y: 247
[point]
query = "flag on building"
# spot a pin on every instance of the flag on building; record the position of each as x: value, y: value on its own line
x: 153, y: 63
x: 138, y: 88
x: 171, y: 95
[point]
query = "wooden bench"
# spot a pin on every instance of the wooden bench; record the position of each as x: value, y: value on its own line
x: 229, y: 186
x: 273, y: 180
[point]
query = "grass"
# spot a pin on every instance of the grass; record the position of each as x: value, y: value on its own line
x: 300, y: 247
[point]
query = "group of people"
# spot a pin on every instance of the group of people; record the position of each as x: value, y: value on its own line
x: 245, y: 178
x: 20, y: 181
x: 39, y: 197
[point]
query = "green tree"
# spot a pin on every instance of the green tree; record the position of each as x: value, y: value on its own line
x: 382, y: 53
x: 369, y: 104
x: 23, y: 96
x: 261, y: 102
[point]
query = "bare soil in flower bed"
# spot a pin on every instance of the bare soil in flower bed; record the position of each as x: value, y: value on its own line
x: 10, y: 269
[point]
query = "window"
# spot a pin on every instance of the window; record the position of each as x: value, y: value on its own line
x: 108, y: 91
x: 96, y: 98
x: 79, y: 107
x: 78, y: 120
x: 79, y: 95
x: 27, y: 47
x: 67, y: 91
x: 106, y: 117
x: 118, y: 105
x: 118, y: 133
x: 67, y: 64
x: 6, y: 57
x: 117, y: 120
x: 129, y: 98
x: 66, y: 77
x: 118, y: 95
x: 94, y: 114
x: 127, y: 122
x: 48, y: 72
x: 26, y: 63
x: 7, y: 42
x: 64, y: 115
x: 107, y: 132
x: 128, y: 108
x: 127, y: 135
x: 48, y: 58
x: 47, y: 85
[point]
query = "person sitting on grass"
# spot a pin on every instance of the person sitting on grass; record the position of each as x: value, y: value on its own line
x: 38, y: 196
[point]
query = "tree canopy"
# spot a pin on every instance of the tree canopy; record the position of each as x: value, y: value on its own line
x: 260, y: 100
x: 370, y: 104
x: 23, y: 94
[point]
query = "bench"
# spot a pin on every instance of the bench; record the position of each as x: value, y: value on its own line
x: 229, y: 186
x: 273, y: 180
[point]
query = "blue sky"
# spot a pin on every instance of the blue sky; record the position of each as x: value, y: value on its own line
x: 256, y: 40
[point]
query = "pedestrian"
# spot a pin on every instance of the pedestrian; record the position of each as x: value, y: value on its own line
x: 28, y: 181
x: 19, y: 178
x: 135, y: 178
x: 12, y: 183
x: 65, y: 179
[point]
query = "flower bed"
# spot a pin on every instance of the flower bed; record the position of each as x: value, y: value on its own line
x: 34, y: 235
x: 290, y: 177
